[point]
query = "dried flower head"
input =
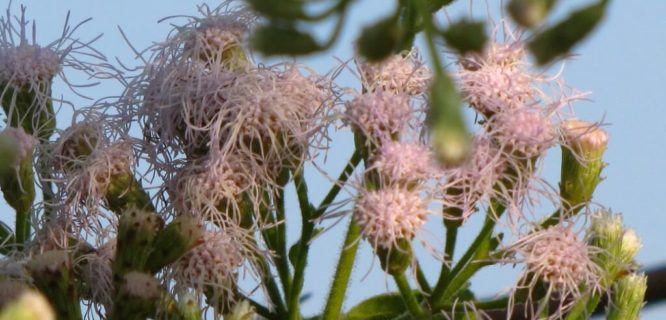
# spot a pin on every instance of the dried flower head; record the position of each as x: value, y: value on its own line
x: 379, y: 115
x: 97, y: 274
x: 399, y: 73
x: 214, y: 190
x: 390, y: 214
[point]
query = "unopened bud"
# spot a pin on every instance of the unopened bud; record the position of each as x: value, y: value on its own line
x: 449, y: 136
x: 627, y: 298
x: 137, y: 297
x: 618, y: 245
x: 530, y: 13
x: 174, y: 241
x: 241, y: 311
x: 583, y: 146
x: 397, y: 259
x: 630, y: 245
x: 136, y: 231
x: 52, y: 274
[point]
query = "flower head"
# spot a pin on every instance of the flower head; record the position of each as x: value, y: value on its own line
x: 379, y: 115
x: 403, y: 163
x: 523, y: 133
x: 397, y: 74
x: 389, y: 215
x: 561, y: 261
x: 17, y: 144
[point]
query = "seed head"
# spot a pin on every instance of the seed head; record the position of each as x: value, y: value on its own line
x: 390, y: 214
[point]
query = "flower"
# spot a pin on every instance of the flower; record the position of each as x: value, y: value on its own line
x: 523, y: 133
x: 379, y: 115
x: 390, y: 214
x: 398, y: 73
x: 561, y: 261
x: 403, y: 163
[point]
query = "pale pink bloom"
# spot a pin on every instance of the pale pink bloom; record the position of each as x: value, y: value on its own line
x: 559, y: 259
x: 523, y: 133
x: 390, y: 214
x: 475, y: 179
x: 398, y: 73
x: 403, y: 163
x: 379, y: 115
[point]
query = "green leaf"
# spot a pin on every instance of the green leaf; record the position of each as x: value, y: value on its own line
x: 379, y: 40
x: 276, y: 39
x: 561, y: 38
x: 283, y: 9
x: 466, y: 36
x: 381, y: 307
x: 435, y: 5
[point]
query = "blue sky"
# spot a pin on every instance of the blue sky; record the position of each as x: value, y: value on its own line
x: 623, y: 64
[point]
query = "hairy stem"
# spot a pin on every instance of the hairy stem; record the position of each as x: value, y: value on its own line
x: 409, y: 298
x: 303, y: 246
x: 343, y: 272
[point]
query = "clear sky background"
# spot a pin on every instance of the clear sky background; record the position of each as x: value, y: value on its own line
x: 623, y: 64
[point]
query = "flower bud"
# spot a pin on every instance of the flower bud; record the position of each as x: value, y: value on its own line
x: 619, y: 246
x: 583, y: 145
x: 52, y: 274
x: 137, y: 297
x: 241, y: 311
x: 174, y: 241
x: 16, y: 172
x: 530, y: 13
x: 31, y: 305
x: 448, y: 132
x: 630, y: 245
x: 627, y: 298
x: 136, y: 231
x: 397, y: 259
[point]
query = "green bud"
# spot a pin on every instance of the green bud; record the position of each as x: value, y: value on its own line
x: 125, y: 192
x: 561, y: 38
x: 174, y: 241
x: 397, y: 259
x: 188, y: 306
x: 583, y: 147
x: 284, y: 40
x: 137, y: 297
x: 445, y: 121
x: 136, y: 231
x: 530, y: 13
x: 466, y: 36
x: 31, y: 305
x: 379, y: 40
x: 241, y: 311
x: 52, y: 274
x: 619, y: 246
x: 627, y: 298
x: 34, y: 114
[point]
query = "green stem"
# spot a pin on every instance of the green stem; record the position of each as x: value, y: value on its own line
x: 271, y: 287
x: 464, y: 269
x: 303, y: 246
x: 343, y: 272
x: 282, y: 260
x: 584, y: 307
x: 449, y: 250
x: 22, y: 226
x: 422, y: 280
x: 409, y: 298
x: 335, y: 189
x: 429, y: 28
x: 6, y: 239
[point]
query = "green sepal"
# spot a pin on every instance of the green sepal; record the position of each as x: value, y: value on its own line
x: 466, y: 36
x: 27, y: 105
x: 132, y: 305
x: 578, y: 181
x: 397, y: 259
x: 174, y: 241
x: 125, y: 192
x: 627, y: 298
x: 558, y: 40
